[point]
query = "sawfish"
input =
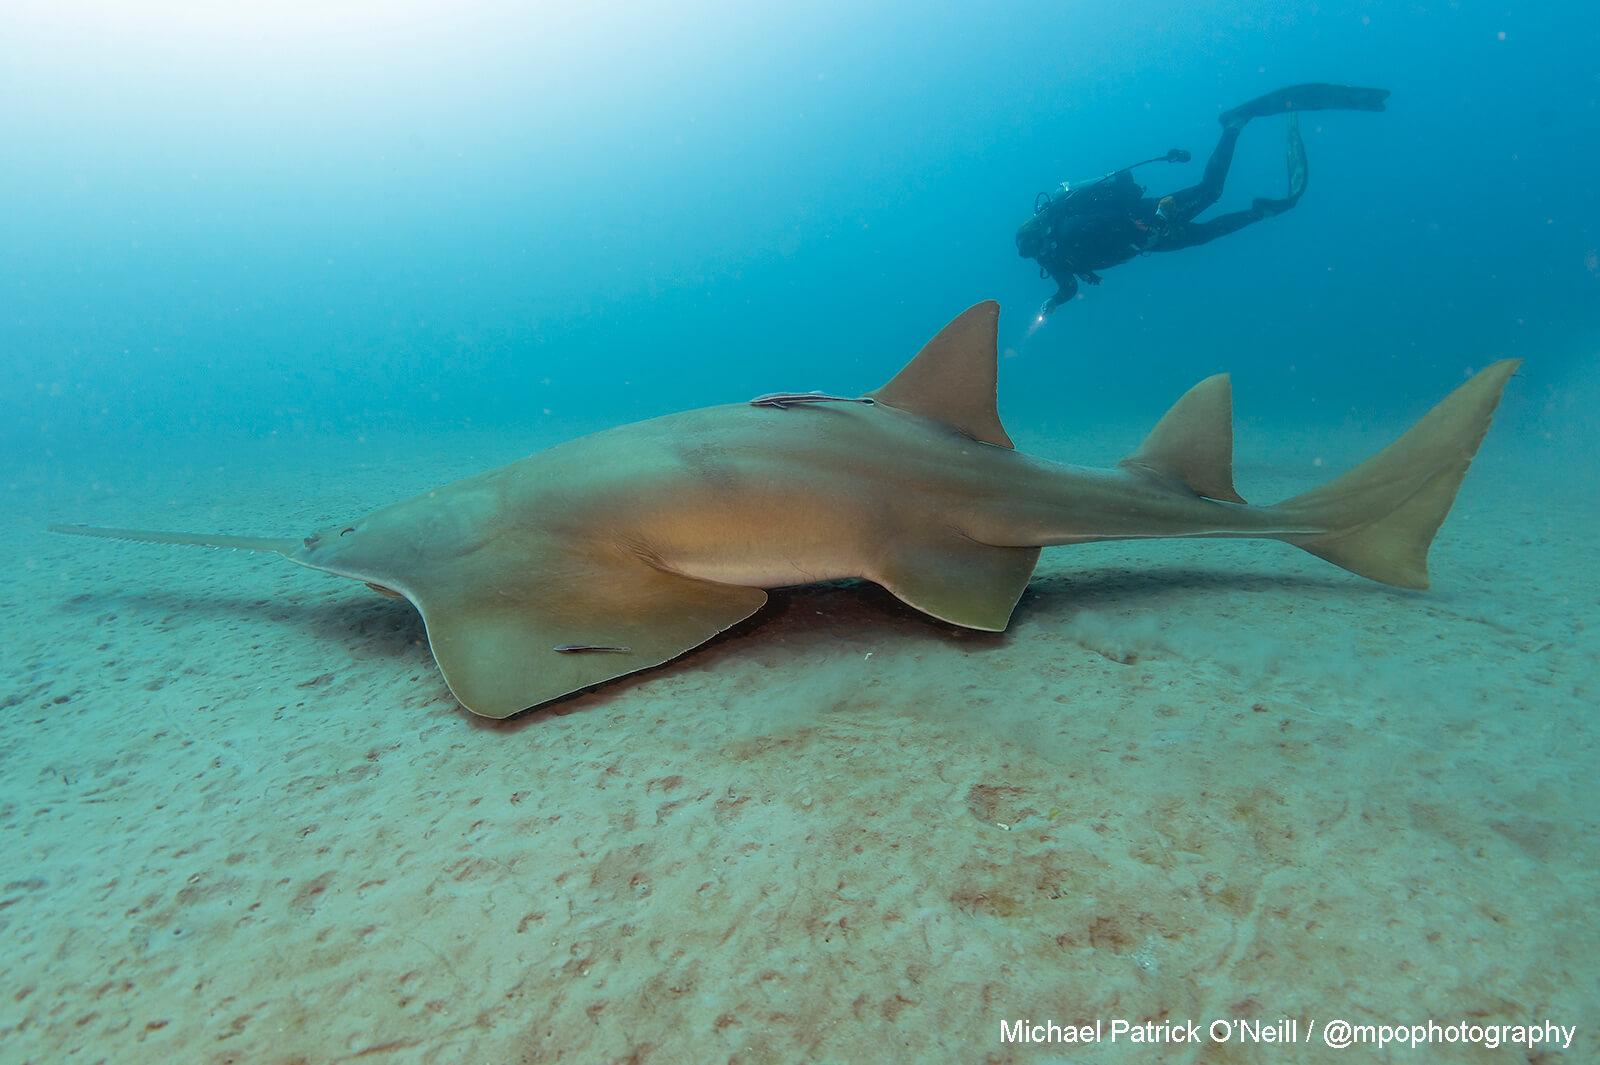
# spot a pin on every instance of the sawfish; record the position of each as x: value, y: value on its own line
x: 622, y: 550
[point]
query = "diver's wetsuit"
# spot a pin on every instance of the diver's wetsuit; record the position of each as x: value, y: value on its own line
x: 1081, y: 230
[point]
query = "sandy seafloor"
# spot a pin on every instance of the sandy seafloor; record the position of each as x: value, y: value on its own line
x: 244, y: 821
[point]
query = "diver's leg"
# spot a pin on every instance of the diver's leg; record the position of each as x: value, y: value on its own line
x: 1196, y: 233
x: 1193, y: 233
x: 1186, y: 203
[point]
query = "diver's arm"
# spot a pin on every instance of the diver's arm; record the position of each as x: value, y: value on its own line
x: 1066, y: 288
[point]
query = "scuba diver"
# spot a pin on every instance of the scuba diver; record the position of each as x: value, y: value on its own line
x: 1089, y: 226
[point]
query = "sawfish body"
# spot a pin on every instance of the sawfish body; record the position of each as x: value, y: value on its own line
x: 621, y: 550
x: 768, y: 498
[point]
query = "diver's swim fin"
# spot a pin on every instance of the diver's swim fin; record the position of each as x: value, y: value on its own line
x: 1299, y: 171
x: 1316, y: 96
x: 1299, y: 168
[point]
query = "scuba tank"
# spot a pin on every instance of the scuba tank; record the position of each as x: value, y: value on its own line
x: 1115, y: 187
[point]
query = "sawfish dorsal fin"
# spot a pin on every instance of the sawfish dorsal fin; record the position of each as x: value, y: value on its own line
x: 952, y: 379
x: 1193, y: 442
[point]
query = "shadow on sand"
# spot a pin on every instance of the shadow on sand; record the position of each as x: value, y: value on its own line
x: 854, y: 610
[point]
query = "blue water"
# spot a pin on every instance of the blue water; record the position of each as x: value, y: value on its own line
x: 288, y: 220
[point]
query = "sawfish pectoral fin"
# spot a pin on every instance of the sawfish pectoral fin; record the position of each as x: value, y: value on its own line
x: 959, y: 580
x: 502, y: 630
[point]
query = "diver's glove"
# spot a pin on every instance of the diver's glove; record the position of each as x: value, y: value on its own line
x: 1066, y: 289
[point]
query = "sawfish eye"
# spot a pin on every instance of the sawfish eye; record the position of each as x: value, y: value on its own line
x: 347, y: 530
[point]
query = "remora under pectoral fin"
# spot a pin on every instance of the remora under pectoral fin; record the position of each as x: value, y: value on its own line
x: 952, y: 379
x: 504, y: 631
x: 959, y: 580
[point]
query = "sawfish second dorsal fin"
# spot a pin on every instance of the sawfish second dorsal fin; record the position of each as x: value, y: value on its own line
x: 1193, y: 442
x: 952, y: 379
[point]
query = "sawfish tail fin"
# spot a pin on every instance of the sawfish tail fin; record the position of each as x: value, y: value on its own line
x: 1381, y: 517
x: 146, y: 536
